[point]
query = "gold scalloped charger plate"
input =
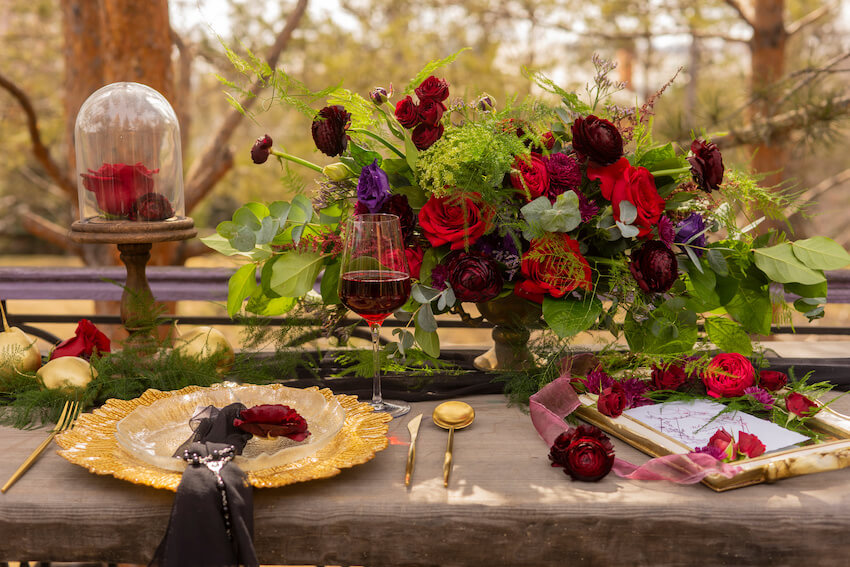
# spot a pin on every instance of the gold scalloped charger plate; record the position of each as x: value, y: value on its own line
x: 93, y: 443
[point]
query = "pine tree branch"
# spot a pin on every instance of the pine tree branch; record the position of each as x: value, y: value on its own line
x: 42, y: 154
x: 813, y: 194
x: 49, y: 231
x: 809, y: 18
x: 736, y: 5
x: 217, y: 159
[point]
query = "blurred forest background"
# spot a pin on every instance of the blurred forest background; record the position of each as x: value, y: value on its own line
x: 768, y: 79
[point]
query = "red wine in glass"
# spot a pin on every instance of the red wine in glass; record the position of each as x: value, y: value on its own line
x: 374, y: 294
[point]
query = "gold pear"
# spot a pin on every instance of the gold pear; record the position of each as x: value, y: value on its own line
x: 18, y: 352
x: 205, y: 342
x: 66, y: 372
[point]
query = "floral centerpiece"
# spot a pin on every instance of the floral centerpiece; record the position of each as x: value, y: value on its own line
x: 563, y: 205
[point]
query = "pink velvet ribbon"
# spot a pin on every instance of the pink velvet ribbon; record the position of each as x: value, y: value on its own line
x: 557, y: 400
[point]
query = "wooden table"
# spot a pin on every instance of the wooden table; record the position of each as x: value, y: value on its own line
x: 505, y: 506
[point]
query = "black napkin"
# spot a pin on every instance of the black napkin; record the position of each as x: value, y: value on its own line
x: 212, y: 519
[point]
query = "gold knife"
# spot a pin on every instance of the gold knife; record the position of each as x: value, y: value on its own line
x: 413, y: 427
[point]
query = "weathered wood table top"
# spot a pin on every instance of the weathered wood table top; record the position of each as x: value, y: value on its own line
x: 505, y: 506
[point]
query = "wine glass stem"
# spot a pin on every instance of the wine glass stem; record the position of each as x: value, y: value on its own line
x: 377, y: 399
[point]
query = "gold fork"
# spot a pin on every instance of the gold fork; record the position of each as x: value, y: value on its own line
x: 66, y: 421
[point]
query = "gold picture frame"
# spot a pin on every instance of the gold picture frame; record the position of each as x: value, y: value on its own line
x: 825, y: 456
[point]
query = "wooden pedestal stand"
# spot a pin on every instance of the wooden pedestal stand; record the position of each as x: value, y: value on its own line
x: 134, y: 241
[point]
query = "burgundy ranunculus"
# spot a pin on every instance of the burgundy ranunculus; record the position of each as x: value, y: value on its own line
x: 151, y: 207
x: 529, y: 176
x: 728, y: 375
x: 612, y: 400
x: 564, y: 174
x: 800, y: 405
x: 453, y: 221
x: 432, y: 88
x: 431, y: 112
x: 407, y: 112
x: 474, y: 278
x: 706, y: 165
x: 260, y: 149
x: 424, y: 135
x: 597, y: 139
x: 329, y: 130
x: 87, y: 340
x: 585, y: 453
x: 772, y: 380
x: 654, y: 266
x: 272, y: 420
x: 116, y: 186
x: 668, y: 377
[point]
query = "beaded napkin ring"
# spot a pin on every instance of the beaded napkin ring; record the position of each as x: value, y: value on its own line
x: 215, y: 461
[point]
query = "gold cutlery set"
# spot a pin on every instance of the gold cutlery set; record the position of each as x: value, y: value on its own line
x: 448, y: 415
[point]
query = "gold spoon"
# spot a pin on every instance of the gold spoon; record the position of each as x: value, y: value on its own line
x: 452, y: 415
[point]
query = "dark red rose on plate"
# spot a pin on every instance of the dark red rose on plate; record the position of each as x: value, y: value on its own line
x: 432, y: 88
x: 800, y: 405
x: 706, y: 165
x: 453, y: 221
x: 116, y: 186
x: 424, y: 135
x: 612, y: 400
x: 261, y: 148
x: 431, y: 112
x: 621, y: 182
x: 87, y: 340
x: 329, y: 130
x: 585, y: 453
x: 474, y: 278
x: 407, y: 112
x: 654, y: 266
x: 728, y: 375
x: 668, y: 377
x: 750, y: 445
x: 272, y: 420
x: 529, y: 176
x: 553, y: 265
x: 772, y: 380
x: 152, y: 207
x: 597, y: 139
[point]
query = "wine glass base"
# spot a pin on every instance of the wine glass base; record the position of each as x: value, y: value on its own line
x: 395, y: 408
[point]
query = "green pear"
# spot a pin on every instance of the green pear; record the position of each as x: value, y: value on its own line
x: 18, y: 352
x: 205, y: 342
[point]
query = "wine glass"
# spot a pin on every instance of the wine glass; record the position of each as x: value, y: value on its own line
x: 374, y: 281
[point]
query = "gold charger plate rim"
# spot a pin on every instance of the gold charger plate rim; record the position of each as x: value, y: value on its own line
x: 92, y: 443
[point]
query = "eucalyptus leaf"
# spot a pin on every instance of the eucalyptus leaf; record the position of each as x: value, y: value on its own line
x: 627, y: 230
x: 628, y: 212
x: 428, y: 342
x: 245, y: 217
x: 425, y: 319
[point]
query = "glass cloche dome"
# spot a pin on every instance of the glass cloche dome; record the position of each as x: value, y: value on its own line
x: 128, y: 156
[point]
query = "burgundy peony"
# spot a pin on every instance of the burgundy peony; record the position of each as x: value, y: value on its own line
x: 772, y: 380
x: 612, y: 400
x: 654, y: 266
x: 597, y: 139
x: 272, y: 420
x: 407, y: 112
x: 453, y: 221
x: 728, y: 375
x: 329, y: 130
x: 474, y: 278
x: 553, y: 265
x: 424, y: 135
x: 116, y: 186
x: 432, y: 88
x: 800, y: 405
x: 585, y: 453
x: 431, y: 112
x: 706, y: 165
x: 151, y: 207
x: 668, y: 377
x: 622, y: 182
x: 87, y: 340
x: 261, y: 149
x: 529, y: 176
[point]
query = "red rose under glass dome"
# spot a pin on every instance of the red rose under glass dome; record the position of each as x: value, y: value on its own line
x: 129, y: 164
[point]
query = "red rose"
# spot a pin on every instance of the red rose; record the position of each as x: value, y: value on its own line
x: 414, y: 260
x: 272, y: 420
x: 432, y: 88
x: 474, y: 278
x: 597, y: 139
x: 553, y: 265
x: 728, y: 375
x: 723, y: 442
x: 116, y: 186
x: 612, y: 400
x: 585, y: 453
x: 87, y: 341
x: 329, y: 130
x: 622, y: 182
x: 529, y: 176
x: 800, y: 405
x: 750, y: 445
x: 407, y: 112
x: 431, y: 112
x: 772, y: 380
x: 424, y: 136
x: 668, y: 377
x: 455, y: 221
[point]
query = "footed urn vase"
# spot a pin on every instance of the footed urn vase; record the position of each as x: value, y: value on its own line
x: 513, y: 317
